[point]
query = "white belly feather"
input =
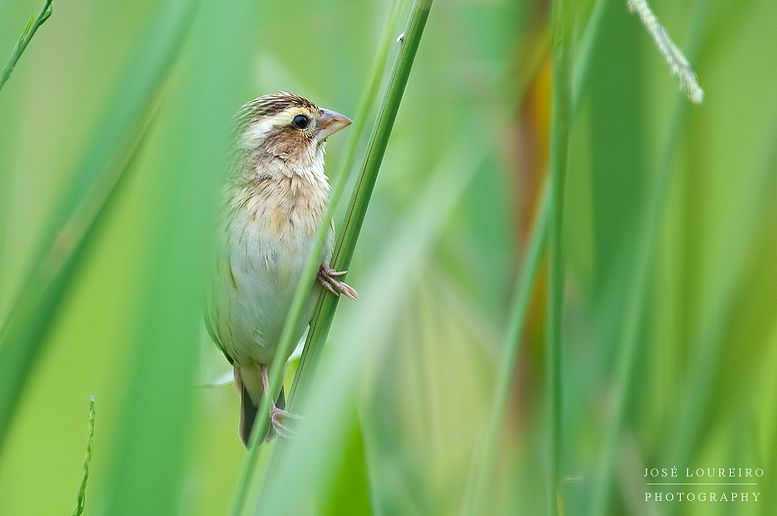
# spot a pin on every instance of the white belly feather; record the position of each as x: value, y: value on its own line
x: 259, y: 267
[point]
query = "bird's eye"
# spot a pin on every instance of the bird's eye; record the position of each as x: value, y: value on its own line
x: 300, y: 121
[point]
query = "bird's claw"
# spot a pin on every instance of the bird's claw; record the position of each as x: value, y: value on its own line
x: 276, y: 415
x: 326, y: 276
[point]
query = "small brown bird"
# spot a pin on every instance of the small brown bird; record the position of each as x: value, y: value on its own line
x: 274, y: 202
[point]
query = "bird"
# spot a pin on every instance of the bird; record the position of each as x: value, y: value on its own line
x: 274, y: 201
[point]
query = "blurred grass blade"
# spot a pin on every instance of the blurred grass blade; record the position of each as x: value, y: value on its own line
x: 311, y: 353
x: 561, y: 120
x: 154, y: 446
x: 637, y: 296
x: 351, y: 493
x: 478, y: 476
x: 322, y: 318
x: 312, y: 459
x: 24, y: 40
x: 585, y: 53
x: 23, y: 333
x: 718, y: 311
x: 677, y: 62
x: 508, y: 363
x: 409, y: 42
x: 91, y: 190
x: 81, y: 500
x: 376, y: 149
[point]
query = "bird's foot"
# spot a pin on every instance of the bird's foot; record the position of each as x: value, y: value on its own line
x: 326, y: 275
x: 276, y: 415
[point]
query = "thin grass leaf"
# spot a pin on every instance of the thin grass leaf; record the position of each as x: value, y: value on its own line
x: 189, y: 154
x: 585, y: 53
x: 508, y: 363
x: 478, y: 477
x: 351, y: 493
x: 409, y: 42
x: 81, y: 499
x: 625, y: 365
x: 561, y: 119
x: 92, y: 189
x: 24, y: 331
x: 16, y: 53
x: 314, y: 343
x: 24, y: 40
x: 376, y: 149
x: 718, y: 311
x: 308, y: 460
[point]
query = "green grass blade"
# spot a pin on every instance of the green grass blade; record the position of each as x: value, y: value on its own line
x: 322, y: 319
x: 189, y: 156
x: 478, y: 477
x: 313, y: 455
x: 719, y: 310
x: 314, y: 343
x: 637, y: 299
x: 585, y: 53
x: 92, y: 189
x: 508, y: 363
x: 23, y: 333
x: 409, y: 42
x: 81, y: 499
x: 29, y: 31
x: 351, y: 493
x: 561, y: 120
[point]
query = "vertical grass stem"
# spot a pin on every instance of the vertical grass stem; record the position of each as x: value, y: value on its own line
x: 561, y: 122
x: 376, y: 149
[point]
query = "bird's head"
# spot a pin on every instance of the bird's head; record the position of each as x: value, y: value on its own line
x: 286, y: 127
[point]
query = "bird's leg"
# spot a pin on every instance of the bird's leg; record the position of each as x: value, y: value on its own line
x: 276, y: 414
x: 326, y: 275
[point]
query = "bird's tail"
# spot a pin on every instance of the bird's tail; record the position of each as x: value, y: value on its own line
x: 248, y: 411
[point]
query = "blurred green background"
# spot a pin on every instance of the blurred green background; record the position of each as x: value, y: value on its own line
x: 669, y: 329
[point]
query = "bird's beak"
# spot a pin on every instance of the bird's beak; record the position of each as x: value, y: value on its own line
x: 329, y: 123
